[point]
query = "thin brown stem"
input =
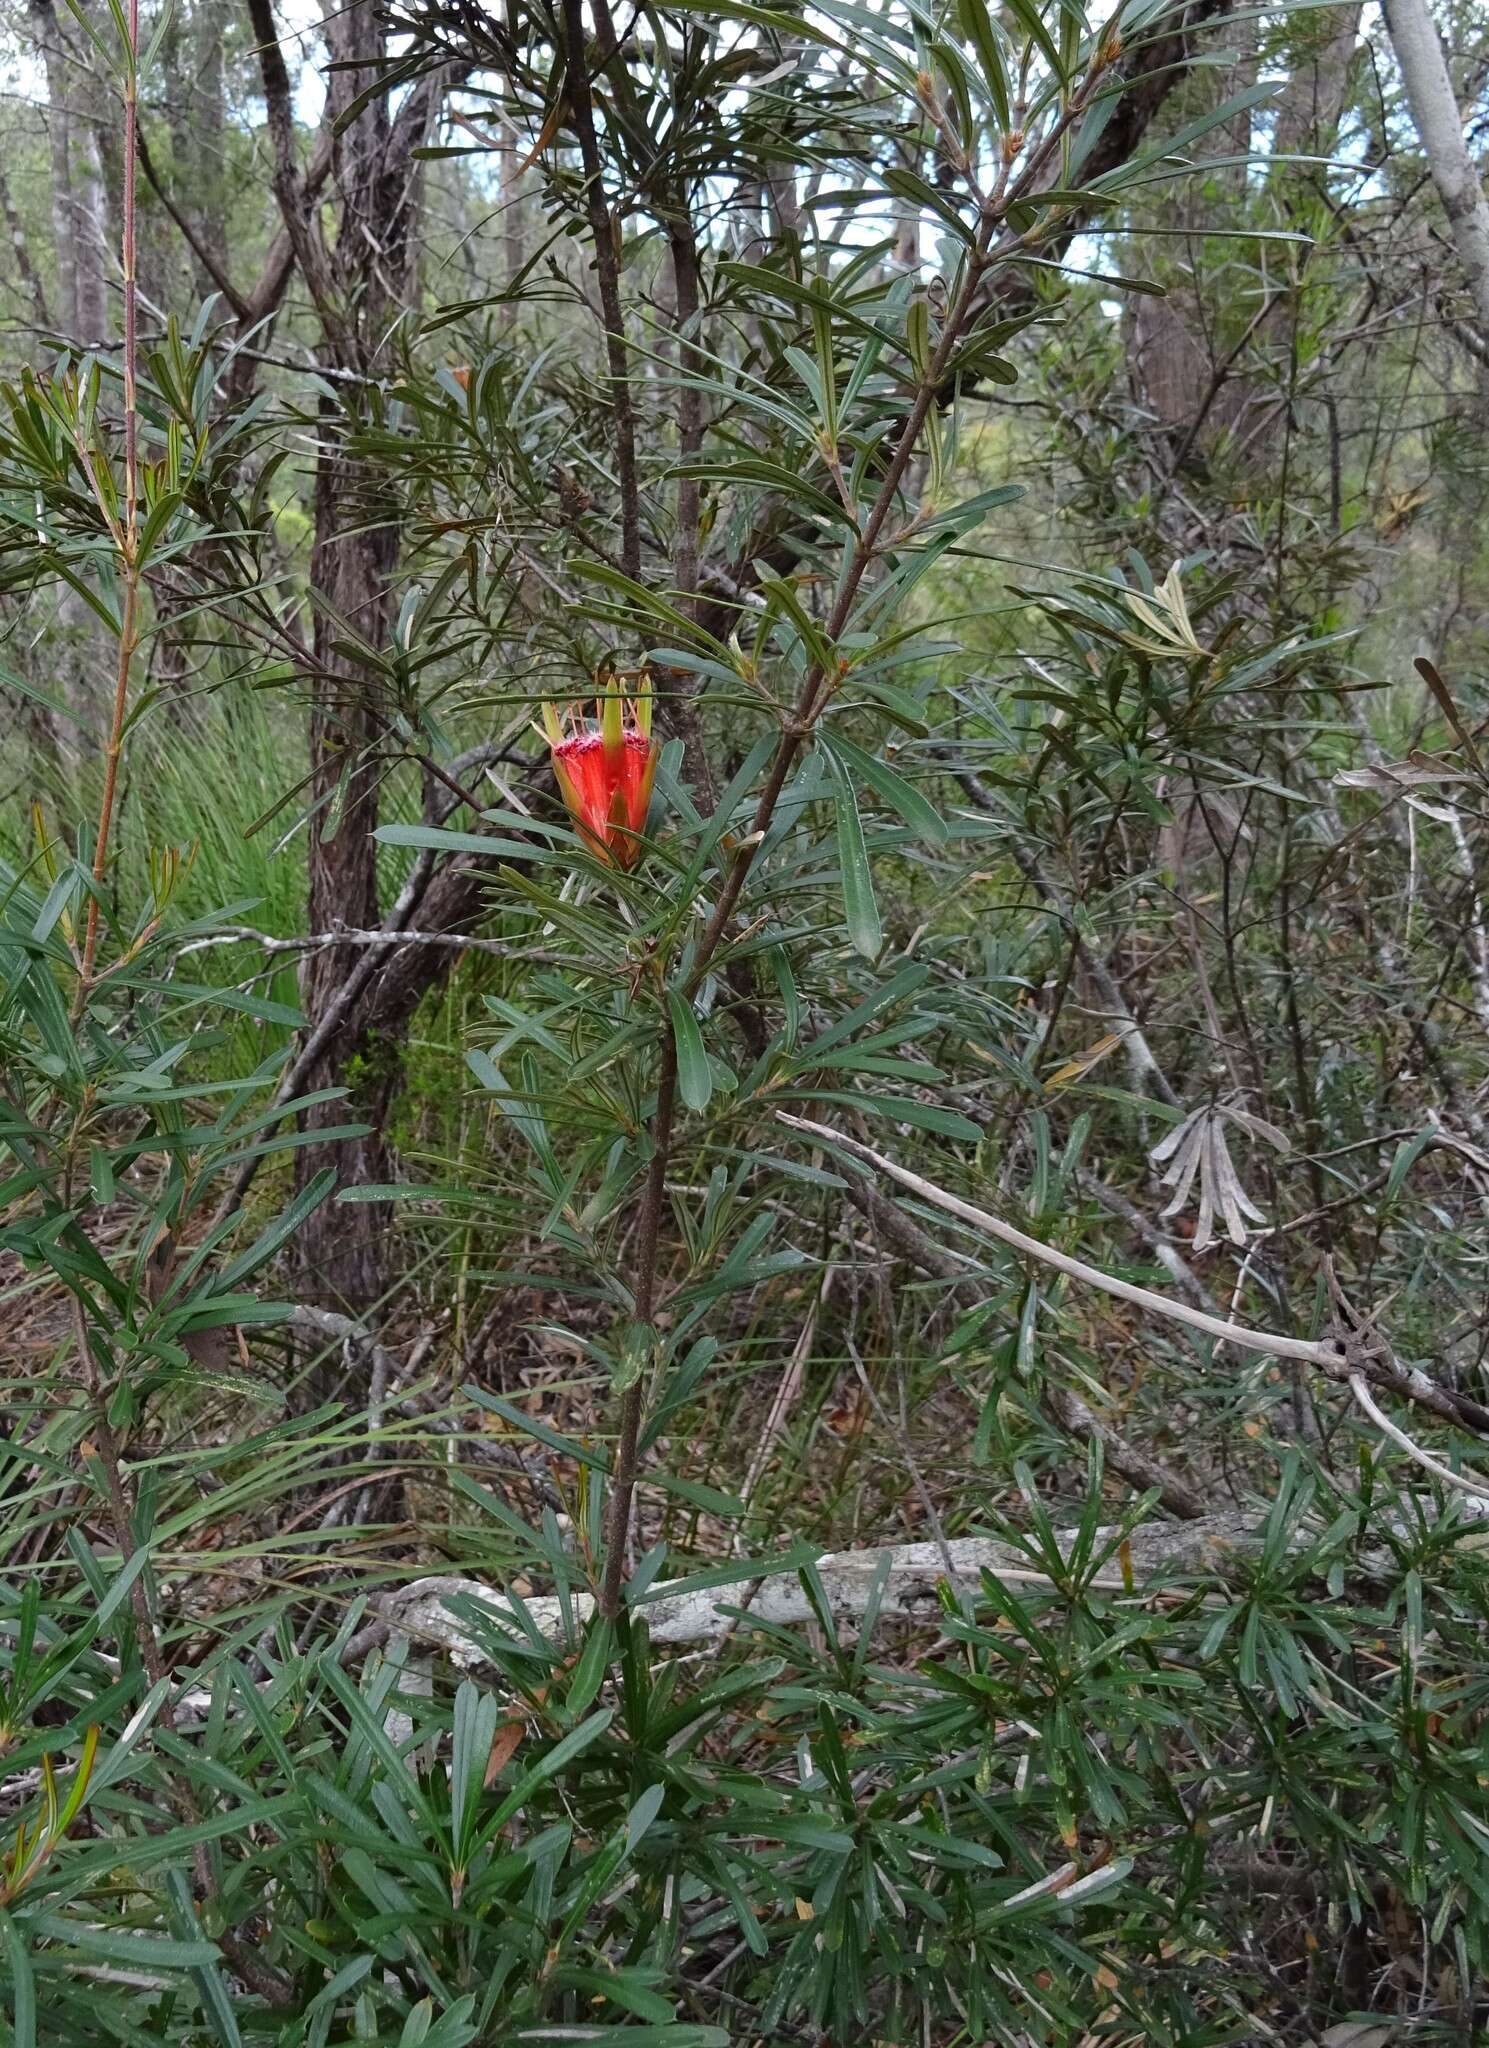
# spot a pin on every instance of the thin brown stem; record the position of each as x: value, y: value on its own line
x: 817, y: 685
x: 131, y: 296
x: 128, y: 537
x: 607, y: 273
x: 128, y: 642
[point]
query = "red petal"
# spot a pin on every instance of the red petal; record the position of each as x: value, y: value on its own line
x: 608, y: 796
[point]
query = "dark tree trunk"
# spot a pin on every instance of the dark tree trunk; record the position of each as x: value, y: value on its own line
x: 356, y: 547
x: 359, y: 283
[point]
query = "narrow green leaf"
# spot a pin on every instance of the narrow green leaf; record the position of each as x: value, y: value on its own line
x: 694, y: 1078
x: 279, y: 1232
x: 137, y: 1951
x: 978, y: 28
x: 917, y: 811
x: 577, y: 1740
x: 22, y: 1985
x: 207, y: 1977
x: 1408, y: 1152
x: 436, y: 839
x: 859, y: 904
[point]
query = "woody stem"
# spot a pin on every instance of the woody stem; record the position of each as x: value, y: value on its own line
x: 127, y: 536
x: 816, y: 691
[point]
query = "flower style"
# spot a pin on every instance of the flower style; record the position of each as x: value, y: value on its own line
x: 605, y: 770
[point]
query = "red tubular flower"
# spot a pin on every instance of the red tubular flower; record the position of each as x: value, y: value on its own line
x: 605, y: 771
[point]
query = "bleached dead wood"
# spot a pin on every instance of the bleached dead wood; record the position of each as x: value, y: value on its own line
x: 1439, y: 122
x: 899, y: 1582
x: 1353, y: 1351
x: 904, y: 1577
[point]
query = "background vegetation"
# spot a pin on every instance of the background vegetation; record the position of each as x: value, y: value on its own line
x: 854, y: 1419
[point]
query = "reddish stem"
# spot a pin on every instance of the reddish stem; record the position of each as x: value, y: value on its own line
x: 128, y: 538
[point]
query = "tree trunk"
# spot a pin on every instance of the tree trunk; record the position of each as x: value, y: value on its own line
x: 1195, y: 383
x: 1312, y: 102
x: 15, y: 233
x: 89, y: 213
x: 59, y: 139
x: 359, y: 284
x: 356, y: 546
x: 511, y: 184
x: 1172, y: 355
x: 1434, y: 110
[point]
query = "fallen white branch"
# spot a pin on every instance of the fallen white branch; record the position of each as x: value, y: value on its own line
x: 1462, y: 1480
x: 1325, y: 1355
x: 355, y: 935
x: 910, y: 1573
x: 1333, y: 1358
x: 421, y: 1613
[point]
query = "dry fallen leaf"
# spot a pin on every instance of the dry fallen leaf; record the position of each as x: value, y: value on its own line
x: 1083, y: 1062
x: 1391, y: 777
x: 1197, y: 1148
x: 504, y: 1746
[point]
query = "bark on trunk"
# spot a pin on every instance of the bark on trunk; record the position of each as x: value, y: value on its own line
x: 1311, y: 104
x: 359, y: 284
x: 1172, y: 357
x: 356, y: 546
x: 1199, y: 385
